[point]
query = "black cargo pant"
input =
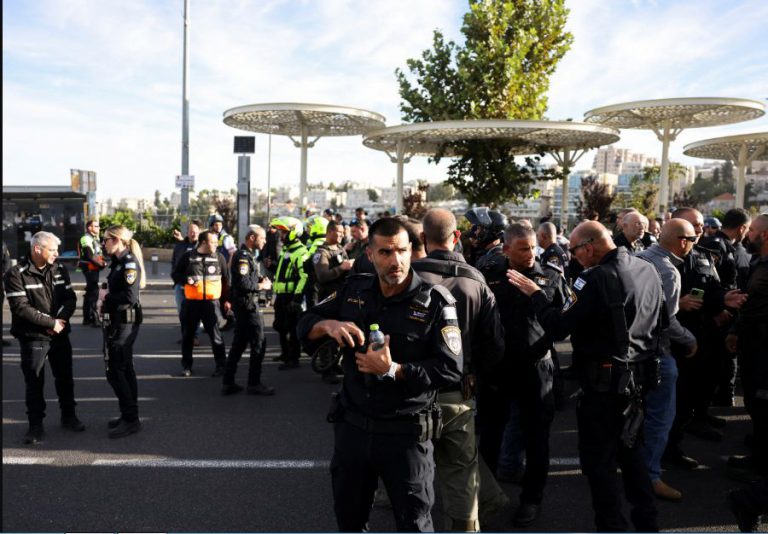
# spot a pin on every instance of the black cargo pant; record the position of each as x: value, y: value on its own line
x: 91, y: 296
x: 192, y: 312
x: 532, y: 390
x: 405, y: 466
x: 285, y: 324
x: 600, y: 422
x: 249, y: 329
x: 59, y: 351
x: 118, y: 363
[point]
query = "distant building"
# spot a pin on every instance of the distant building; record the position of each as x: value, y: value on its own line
x: 722, y: 202
x: 617, y: 161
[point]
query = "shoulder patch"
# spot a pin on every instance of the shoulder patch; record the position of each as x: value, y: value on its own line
x: 570, y: 299
x: 316, y: 258
x: 130, y: 276
x: 579, y: 283
x: 449, y: 313
x: 452, y: 338
x: 243, y: 267
x: 130, y: 265
x: 541, y: 280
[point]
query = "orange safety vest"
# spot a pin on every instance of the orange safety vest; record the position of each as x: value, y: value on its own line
x: 203, y: 277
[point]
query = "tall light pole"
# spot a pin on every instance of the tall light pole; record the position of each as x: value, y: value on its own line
x: 185, y: 125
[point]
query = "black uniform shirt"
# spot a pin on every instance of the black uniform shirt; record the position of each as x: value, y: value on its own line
x: 752, y: 326
x: 37, y: 297
x: 481, y: 331
x: 555, y: 257
x: 586, y: 314
x: 123, y: 283
x: 526, y: 338
x: 246, y: 273
x: 424, y: 338
x: 723, y: 255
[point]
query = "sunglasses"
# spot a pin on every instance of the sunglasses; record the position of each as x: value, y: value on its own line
x: 572, y: 250
x: 690, y: 238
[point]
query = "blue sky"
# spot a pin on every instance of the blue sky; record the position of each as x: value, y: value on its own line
x: 97, y: 85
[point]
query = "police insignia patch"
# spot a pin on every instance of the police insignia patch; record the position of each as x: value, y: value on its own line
x: 211, y: 269
x: 570, y: 300
x: 243, y: 268
x: 316, y: 258
x: 452, y: 338
x: 541, y: 280
x: 130, y: 276
x: 579, y: 283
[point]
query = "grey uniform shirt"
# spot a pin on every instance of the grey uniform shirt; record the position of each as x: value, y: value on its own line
x: 666, y: 265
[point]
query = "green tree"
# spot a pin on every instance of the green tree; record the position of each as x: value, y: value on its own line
x: 373, y: 195
x: 596, y: 199
x: 441, y: 192
x: 120, y: 217
x: 501, y: 72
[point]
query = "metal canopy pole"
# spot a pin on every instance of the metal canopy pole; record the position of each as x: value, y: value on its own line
x: 400, y: 153
x: 663, y: 201
x: 303, y: 177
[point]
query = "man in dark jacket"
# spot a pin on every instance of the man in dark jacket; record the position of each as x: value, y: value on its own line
x: 42, y: 302
x: 179, y: 250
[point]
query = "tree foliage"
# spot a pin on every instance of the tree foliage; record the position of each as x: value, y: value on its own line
x: 501, y: 72
x: 413, y: 202
x: 596, y: 199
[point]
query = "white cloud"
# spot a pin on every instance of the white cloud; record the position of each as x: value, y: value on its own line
x: 97, y: 85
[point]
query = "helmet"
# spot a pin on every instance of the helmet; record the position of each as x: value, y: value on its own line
x: 215, y: 218
x: 316, y: 226
x: 487, y: 225
x: 713, y: 222
x: 288, y: 224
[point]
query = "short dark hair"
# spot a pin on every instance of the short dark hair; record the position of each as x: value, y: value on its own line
x: 331, y: 226
x: 203, y: 237
x: 197, y: 222
x: 358, y: 222
x: 386, y: 227
x: 735, y: 217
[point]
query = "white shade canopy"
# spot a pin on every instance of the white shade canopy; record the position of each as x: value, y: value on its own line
x: 742, y: 149
x: 303, y: 121
x: 562, y: 139
x: 669, y: 116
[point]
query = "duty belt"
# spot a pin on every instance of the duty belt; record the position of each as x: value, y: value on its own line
x: 423, y: 426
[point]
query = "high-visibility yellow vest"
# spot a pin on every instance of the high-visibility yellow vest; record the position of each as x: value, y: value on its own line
x: 290, y: 277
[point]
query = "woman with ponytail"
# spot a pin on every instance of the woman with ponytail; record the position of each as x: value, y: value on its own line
x: 123, y: 315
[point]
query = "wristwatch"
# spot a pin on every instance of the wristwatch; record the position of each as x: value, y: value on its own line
x: 391, y: 372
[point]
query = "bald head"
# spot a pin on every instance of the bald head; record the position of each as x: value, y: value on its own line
x: 590, y: 241
x: 439, y: 228
x: 671, y: 237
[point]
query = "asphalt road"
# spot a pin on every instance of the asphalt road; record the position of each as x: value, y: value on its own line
x: 209, y: 463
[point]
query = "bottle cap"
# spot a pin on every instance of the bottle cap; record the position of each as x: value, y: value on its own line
x: 374, y: 327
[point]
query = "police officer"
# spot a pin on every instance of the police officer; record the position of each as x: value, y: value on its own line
x: 750, y: 339
x: 356, y: 249
x: 614, y: 321
x: 331, y: 263
x: 227, y: 247
x: 206, y: 280
x: 247, y: 281
x: 290, y: 279
x: 702, y: 303
x: 6, y: 266
x: 315, y: 227
x: 42, y: 301
x: 123, y: 315
x: 525, y: 377
x: 91, y: 262
x: 732, y: 263
x: 464, y: 495
x: 711, y: 226
x: 485, y: 236
x: 386, y: 419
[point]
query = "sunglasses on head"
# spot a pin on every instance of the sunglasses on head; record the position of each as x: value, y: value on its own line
x: 577, y: 247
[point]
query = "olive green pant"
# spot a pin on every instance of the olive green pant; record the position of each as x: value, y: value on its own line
x: 459, y: 469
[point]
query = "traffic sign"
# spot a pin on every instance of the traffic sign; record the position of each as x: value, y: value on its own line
x: 185, y: 180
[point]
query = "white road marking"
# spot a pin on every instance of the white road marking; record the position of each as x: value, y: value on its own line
x: 216, y: 464
x: 27, y: 460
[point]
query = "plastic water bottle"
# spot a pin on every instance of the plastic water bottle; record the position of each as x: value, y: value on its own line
x: 375, y: 337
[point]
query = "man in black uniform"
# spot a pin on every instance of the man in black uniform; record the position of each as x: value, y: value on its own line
x: 387, y: 414
x: 702, y: 306
x: 614, y: 321
x: 750, y: 339
x: 485, y: 235
x: 42, y: 302
x: 483, y: 341
x: 205, y: 276
x: 526, y: 375
x: 247, y: 281
x: 732, y: 264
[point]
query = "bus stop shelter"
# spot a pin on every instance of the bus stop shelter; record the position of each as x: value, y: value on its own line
x: 300, y: 122
x: 566, y: 141
x: 741, y: 149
